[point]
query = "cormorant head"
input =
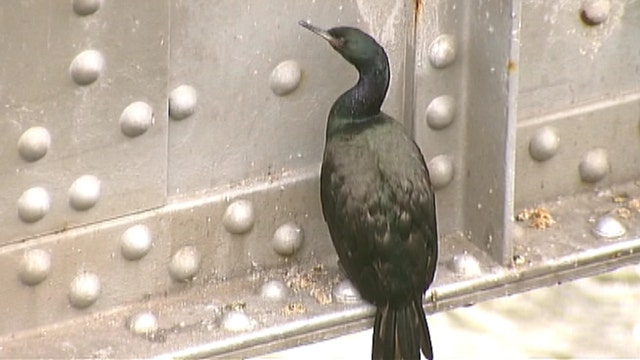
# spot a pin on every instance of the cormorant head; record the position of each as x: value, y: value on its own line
x: 356, y: 46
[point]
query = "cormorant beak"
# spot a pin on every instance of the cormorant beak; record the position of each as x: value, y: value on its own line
x: 336, y: 43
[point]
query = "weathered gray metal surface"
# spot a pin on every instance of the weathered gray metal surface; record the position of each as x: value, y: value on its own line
x: 261, y: 97
x: 596, y: 141
x: 160, y: 170
x: 566, y: 62
x: 71, y: 77
x: 578, y: 101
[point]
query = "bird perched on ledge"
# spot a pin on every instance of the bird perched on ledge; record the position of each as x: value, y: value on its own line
x: 378, y: 201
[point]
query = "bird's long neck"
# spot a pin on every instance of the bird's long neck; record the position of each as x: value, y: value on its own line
x: 363, y: 101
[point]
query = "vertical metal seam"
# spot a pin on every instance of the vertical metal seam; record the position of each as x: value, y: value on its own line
x: 409, y: 87
x: 511, y: 128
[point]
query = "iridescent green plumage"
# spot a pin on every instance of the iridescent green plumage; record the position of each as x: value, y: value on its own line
x: 378, y: 202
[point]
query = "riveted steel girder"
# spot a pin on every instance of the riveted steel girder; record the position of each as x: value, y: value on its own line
x: 161, y: 160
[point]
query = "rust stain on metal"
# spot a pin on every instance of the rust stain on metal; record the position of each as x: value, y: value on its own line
x: 538, y: 218
x: 511, y: 66
x: 294, y: 308
x: 627, y: 207
x: 634, y: 204
x: 417, y: 10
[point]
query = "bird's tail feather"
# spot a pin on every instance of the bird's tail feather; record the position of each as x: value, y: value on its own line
x: 404, y: 329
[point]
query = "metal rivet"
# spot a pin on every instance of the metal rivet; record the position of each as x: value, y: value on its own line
x: 136, y: 242
x: 442, y: 51
x: 86, y: 7
x: 441, y: 170
x: 239, y: 217
x: 287, y: 239
x: 34, y: 143
x: 594, y: 12
x: 33, y: 204
x: 87, y: 67
x: 84, y: 192
x: 594, y: 165
x: 84, y: 290
x: 185, y: 263
x: 466, y: 265
x: 345, y: 293
x: 440, y: 112
x: 274, y: 290
x: 35, y: 266
x: 182, y: 102
x: 143, y: 323
x: 136, y: 119
x: 608, y: 227
x: 285, y: 77
x: 544, y: 143
x: 235, y: 320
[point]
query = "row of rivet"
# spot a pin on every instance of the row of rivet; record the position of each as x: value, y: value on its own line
x: 84, y: 192
x: 145, y: 323
x: 35, y: 202
x: 440, y: 114
x: 135, y: 119
x: 545, y: 143
x: 35, y: 266
x: 138, y: 116
x: 239, y: 218
x: 441, y: 111
x: 87, y: 66
x: 137, y: 241
x: 35, y: 142
x: 85, y: 288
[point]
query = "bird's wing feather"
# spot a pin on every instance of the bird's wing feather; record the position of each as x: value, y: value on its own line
x: 380, y: 211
